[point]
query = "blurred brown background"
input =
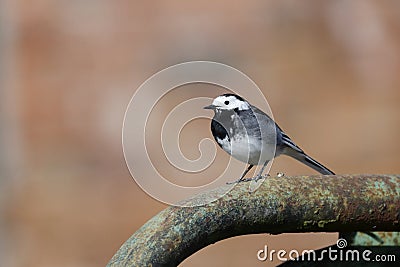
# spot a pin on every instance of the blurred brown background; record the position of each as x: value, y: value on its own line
x: 329, y: 69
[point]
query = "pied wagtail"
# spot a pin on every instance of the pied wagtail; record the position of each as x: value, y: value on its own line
x: 251, y: 136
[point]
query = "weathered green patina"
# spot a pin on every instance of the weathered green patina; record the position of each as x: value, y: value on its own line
x: 337, y: 203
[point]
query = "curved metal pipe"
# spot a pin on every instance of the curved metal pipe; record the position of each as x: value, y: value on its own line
x: 337, y: 203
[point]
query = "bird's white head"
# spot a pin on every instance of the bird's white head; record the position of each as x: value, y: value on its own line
x: 228, y: 102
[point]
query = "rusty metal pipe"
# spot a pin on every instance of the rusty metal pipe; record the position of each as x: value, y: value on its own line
x: 280, y: 205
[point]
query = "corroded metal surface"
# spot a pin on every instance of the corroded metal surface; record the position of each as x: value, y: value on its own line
x: 387, y: 238
x: 281, y: 205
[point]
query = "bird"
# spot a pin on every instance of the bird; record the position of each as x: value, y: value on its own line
x: 251, y: 136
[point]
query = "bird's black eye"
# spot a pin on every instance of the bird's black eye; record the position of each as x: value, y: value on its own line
x: 226, y: 102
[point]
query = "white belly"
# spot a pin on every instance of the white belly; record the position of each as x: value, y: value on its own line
x: 248, y: 150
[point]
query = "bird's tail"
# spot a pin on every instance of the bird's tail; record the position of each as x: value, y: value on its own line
x: 309, y: 161
x: 292, y: 150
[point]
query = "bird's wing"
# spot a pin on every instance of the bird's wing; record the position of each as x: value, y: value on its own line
x: 280, y: 133
x: 291, y: 149
x: 289, y: 142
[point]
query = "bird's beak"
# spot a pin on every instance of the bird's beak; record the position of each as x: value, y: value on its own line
x: 210, y: 107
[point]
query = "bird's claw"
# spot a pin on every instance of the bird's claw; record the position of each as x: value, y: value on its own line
x: 255, y: 178
x: 258, y: 177
x: 239, y: 181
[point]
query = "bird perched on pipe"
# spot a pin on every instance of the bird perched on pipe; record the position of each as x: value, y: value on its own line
x: 251, y: 136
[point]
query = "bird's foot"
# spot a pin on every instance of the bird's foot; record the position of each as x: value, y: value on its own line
x: 259, y: 177
x: 255, y: 179
x: 241, y: 180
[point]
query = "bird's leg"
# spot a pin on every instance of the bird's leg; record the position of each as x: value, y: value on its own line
x: 259, y: 175
x: 245, y: 172
x: 243, y: 175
